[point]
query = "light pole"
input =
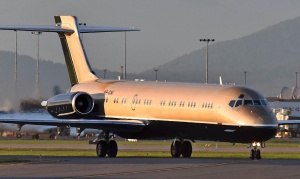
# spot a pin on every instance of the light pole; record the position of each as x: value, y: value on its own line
x: 122, y: 73
x: 245, y: 72
x: 296, y: 79
x: 156, y: 70
x: 16, y: 57
x: 105, y: 73
x: 207, y: 41
x: 125, y: 58
x: 37, y: 62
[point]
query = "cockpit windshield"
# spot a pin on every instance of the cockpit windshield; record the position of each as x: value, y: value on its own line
x: 241, y: 101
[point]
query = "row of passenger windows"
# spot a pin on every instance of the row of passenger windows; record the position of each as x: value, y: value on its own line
x: 134, y: 101
x: 164, y: 103
x: 181, y: 104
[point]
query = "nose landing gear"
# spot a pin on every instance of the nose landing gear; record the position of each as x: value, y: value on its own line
x: 255, y: 153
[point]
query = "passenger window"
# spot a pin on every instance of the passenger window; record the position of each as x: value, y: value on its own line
x: 238, y: 103
x: 231, y: 103
x: 248, y: 103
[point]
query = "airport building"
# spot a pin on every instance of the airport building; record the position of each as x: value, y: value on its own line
x: 286, y: 106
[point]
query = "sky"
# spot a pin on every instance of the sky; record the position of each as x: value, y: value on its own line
x: 169, y: 28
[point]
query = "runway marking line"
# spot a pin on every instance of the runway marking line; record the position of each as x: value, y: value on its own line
x: 158, y: 170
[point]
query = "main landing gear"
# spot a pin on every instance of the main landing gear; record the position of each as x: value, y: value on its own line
x: 255, y: 153
x: 181, y: 147
x: 107, y: 146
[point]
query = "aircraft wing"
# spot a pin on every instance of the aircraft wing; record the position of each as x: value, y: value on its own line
x: 288, y: 122
x: 113, y: 125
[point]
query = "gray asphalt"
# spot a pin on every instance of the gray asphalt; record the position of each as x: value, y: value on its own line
x: 92, y: 167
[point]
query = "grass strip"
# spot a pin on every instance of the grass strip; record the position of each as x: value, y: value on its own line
x: 149, y: 154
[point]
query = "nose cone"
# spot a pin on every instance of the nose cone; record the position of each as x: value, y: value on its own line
x: 259, y: 116
x: 264, y: 116
x: 264, y: 124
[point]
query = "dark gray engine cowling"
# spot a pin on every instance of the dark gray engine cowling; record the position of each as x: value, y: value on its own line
x: 66, y: 105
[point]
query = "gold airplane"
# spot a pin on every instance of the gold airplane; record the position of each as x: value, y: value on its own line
x: 184, y: 112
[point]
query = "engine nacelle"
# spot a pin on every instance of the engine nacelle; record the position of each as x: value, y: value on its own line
x: 66, y: 105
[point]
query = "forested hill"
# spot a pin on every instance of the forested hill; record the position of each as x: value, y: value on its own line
x: 270, y: 56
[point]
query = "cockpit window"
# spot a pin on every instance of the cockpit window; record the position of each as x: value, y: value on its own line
x: 256, y: 102
x: 264, y: 102
x: 231, y: 103
x: 242, y: 96
x: 248, y: 102
x: 238, y: 103
x: 241, y: 101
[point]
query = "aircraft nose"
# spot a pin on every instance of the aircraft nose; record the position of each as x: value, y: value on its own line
x: 268, y: 119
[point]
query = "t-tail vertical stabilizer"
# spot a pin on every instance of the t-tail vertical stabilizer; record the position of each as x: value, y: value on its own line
x: 75, y: 56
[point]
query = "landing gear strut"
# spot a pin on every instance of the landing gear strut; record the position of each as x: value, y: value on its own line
x: 181, y: 147
x: 106, y: 147
x: 255, y: 153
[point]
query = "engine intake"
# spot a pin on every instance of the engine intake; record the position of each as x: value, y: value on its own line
x: 65, y: 105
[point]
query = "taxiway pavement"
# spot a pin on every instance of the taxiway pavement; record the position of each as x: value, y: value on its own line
x: 92, y: 167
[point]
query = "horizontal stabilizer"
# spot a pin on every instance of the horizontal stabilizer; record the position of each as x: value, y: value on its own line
x: 95, y: 29
x: 39, y: 28
x: 59, y: 29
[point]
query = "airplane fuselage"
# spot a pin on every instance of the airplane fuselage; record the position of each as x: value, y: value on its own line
x: 184, y: 110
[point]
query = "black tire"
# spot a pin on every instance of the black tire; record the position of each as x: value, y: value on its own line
x: 186, y: 149
x: 113, y: 149
x: 176, y: 149
x: 19, y: 135
x: 257, y: 155
x: 252, y: 154
x: 101, y: 149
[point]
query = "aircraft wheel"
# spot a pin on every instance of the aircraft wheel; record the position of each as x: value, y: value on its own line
x: 252, y: 154
x: 186, y: 149
x: 113, y: 149
x: 258, y: 156
x: 101, y: 148
x: 176, y: 149
x: 19, y: 135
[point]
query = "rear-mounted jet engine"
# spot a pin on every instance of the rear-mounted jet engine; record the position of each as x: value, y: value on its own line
x: 66, y: 105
